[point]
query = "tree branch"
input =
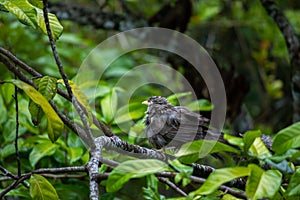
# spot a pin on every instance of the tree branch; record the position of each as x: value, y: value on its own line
x: 11, y: 67
x: 17, y: 61
x: 96, y: 18
x: 77, y: 105
x: 12, y: 186
x: 239, y: 194
x: 17, y: 131
x: 8, y: 173
x: 118, y: 145
x: 172, y: 185
x: 195, y: 179
x: 23, y: 177
x: 135, y: 150
x: 293, y: 46
x: 113, y: 143
x: 101, y: 126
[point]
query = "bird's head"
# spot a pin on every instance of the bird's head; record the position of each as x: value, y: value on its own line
x: 158, y: 100
x: 155, y: 102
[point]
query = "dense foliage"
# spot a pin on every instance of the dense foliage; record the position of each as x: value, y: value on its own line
x: 39, y: 147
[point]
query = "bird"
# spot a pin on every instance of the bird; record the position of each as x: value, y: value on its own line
x: 173, y: 126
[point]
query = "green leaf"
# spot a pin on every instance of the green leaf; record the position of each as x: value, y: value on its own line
x: 92, y: 88
x: 249, y: 138
x: 219, y: 177
x: 178, y: 178
x: 74, y: 191
x: 200, y: 105
x: 290, y: 154
x: 81, y: 97
x: 151, y: 192
x: 230, y: 197
x: 74, y: 154
x: 262, y: 184
x: 74, y: 141
x: 186, y: 181
x: 259, y: 149
x: 129, y: 112
x: 20, y: 192
x: 192, y: 151
x: 174, y: 97
x: 287, y: 138
x: 32, y: 16
x: 36, y: 112
x: 3, y: 111
x: 23, y: 10
x: 3, y: 9
x: 7, y: 150
x: 132, y: 169
x: 41, y: 189
x: 294, y: 185
x: 60, y: 156
x: 152, y: 182
x: 47, y: 87
x: 184, y: 172
x: 55, y: 125
x: 41, y: 150
x: 181, y: 167
x: 55, y: 26
x: 37, y: 3
x: 237, y: 141
x: 283, y: 166
x: 109, y: 105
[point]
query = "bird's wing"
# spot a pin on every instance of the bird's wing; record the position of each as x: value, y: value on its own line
x: 190, y: 126
x: 188, y: 116
x: 181, y: 126
x: 156, y: 125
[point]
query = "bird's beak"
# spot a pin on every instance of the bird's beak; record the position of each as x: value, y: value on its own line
x: 145, y: 103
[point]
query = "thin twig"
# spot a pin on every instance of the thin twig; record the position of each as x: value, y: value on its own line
x: 8, y: 173
x: 57, y: 176
x: 5, y: 178
x: 101, y: 126
x: 102, y: 5
x: 9, y: 176
x: 172, y: 185
x: 91, y: 16
x: 236, y: 193
x: 9, y: 188
x: 111, y: 143
x: 17, y: 131
x: 60, y: 170
x: 111, y: 163
x: 53, y: 47
x: 11, y: 67
x: 126, y: 9
x: 26, y: 176
x: 102, y: 176
x: 17, y: 61
x: 77, y: 105
x: 131, y: 149
x: 195, y: 179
